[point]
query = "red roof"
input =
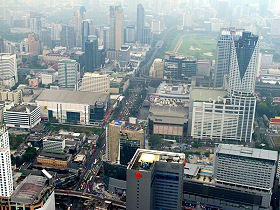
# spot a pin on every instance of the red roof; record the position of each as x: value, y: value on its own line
x: 274, y: 121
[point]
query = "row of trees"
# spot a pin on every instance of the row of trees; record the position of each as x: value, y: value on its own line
x: 267, y: 108
x: 29, y: 155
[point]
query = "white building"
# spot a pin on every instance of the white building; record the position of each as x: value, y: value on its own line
x: 271, y: 76
x: 22, y: 116
x: 245, y: 167
x: 53, y: 144
x: 187, y: 20
x: 8, y: 69
x: 243, y: 63
x: 47, y: 79
x: 68, y: 73
x: 6, y: 178
x: 93, y: 82
x: 13, y: 96
x: 214, y: 116
x: 157, y: 68
x: 55, y: 31
x: 73, y: 106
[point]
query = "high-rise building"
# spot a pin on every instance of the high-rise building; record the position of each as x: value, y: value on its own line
x: 187, y: 20
x: 6, y: 178
x: 87, y: 30
x: 124, y: 56
x: 223, y: 9
x: 77, y: 19
x: 243, y: 63
x: 55, y: 31
x: 130, y: 34
x: 116, y: 27
x: 147, y: 35
x: 91, y: 54
x: 92, y: 82
x: 37, y: 22
x: 8, y: 69
x: 155, y: 180
x: 140, y: 22
x: 157, y: 68
x: 245, y: 162
x: 34, y: 44
x: 117, y: 132
x: 68, y: 73
x: 223, y: 50
x: 2, y: 46
x: 68, y: 37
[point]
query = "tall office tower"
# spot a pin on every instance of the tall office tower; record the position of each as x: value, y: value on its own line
x: 245, y: 167
x: 68, y: 73
x: 155, y: 180
x: 68, y: 37
x: 91, y: 54
x: 223, y: 9
x: 8, y: 69
x: 157, y: 68
x: 2, y: 45
x: 147, y: 35
x: 130, y: 34
x: 223, y: 50
x: 6, y: 178
x: 116, y: 27
x: 275, y: 30
x: 243, y: 63
x: 55, y: 31
x: 118, y: 135
x: 34, y: 44
x: 87, y: 30
x: 140, y: 22
x: 187, y: 20
x: 37, y: 22
x: 77, y: 20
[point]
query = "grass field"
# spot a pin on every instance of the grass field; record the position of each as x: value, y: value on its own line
x: 174, y: 42
x: 199, y: 46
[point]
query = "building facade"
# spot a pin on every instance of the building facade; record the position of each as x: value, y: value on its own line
x: 91, y: 54
x: 92, y: 82
x: 8, y: 69
x: 223, y: 51
x: 140, y: 22
x: 53, y: 144
x: 118, y: 133
x: 68, y: 73
x: 157, y: 68
x: 72, y: 106
x: 116, y: 27
x: 22, y: 116
x: 6, y: 178
x: 155, y: 180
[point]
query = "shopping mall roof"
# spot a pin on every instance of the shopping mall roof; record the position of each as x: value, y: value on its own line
x: 68, y: 96
x: 204, y: 94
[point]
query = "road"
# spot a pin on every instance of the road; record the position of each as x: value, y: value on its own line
x: 262, y: 129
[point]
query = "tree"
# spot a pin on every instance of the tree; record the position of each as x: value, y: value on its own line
x: 155, y: 141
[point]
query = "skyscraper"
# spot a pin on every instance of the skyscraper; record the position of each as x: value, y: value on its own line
x: 140, y: 22
x: 116, y: 27
x: 155, y: 180
x: 68, y: 73
x: 6, y: 176
x: 147, y: 35
x: 91, y: 54
x: 87, y: 30
x: 34, y: 44
x: 68, y: 37
x: 77, y: 19
x: 223, y: 50
x: 243, y: 63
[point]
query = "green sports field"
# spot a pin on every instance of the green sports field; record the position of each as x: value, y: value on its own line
x: 199, y: 46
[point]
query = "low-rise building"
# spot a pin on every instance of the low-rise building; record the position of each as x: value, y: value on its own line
x: 22, y: 116
x: 34, y: 192
x: 274, y: 124
x: 47, y: 79
x: 73, y: 106
x: 168, y: 120
x: 53, y: 144
x: 58, y: 160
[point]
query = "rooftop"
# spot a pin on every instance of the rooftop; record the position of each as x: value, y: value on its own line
x: 204, y: 94
x: 22, y: 108
x: 169, y: 88
x: 126, y: 125
x: 68, y: 96
x: 169, y: 110
x: 29, y: 189
x: 59, y: 156
x: 236, y: 150
x: 144, y: 159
